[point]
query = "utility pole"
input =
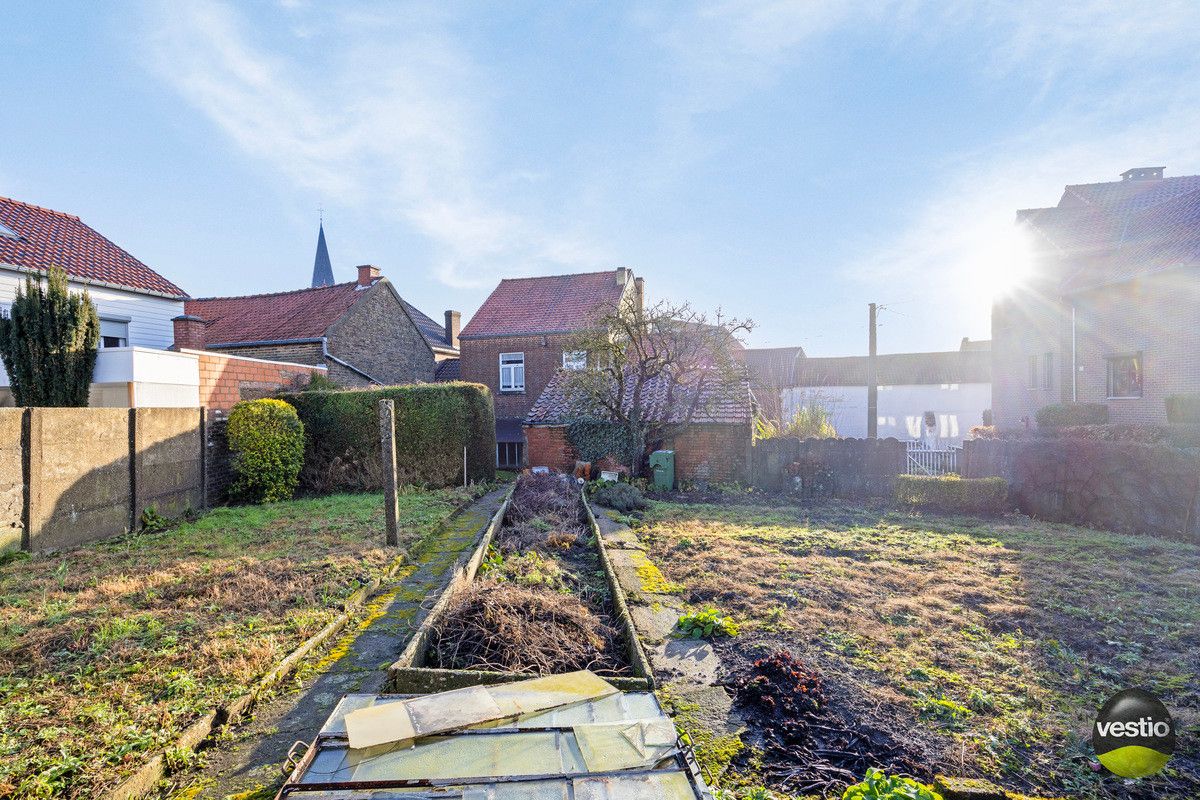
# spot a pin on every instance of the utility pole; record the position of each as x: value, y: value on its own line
x: 872, y: 383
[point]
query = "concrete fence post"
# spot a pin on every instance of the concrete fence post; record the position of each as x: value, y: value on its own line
x: 387, y: 452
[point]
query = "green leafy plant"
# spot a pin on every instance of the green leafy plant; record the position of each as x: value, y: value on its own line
x: 1183, y: 408
x: 1061, y: 415
x: 266, y: 438
x: 810, y: 422
x: 706, y: 623
x: 152, y: 521
x: 621, y: 497
x: 878, y: 786
x: 48, y: 343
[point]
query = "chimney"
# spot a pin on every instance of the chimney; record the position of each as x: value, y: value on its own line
x: 1143, y: 174
x: 453, y: 318
x: 639, y: 292
x: 622, y: 276
x: 189, y: 332
x: 367, y: 274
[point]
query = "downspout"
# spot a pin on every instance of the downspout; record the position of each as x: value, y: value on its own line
x: 1074, y: 362
x: 326, y: 354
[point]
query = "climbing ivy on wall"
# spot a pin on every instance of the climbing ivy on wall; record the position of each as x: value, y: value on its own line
x: 593, y: 439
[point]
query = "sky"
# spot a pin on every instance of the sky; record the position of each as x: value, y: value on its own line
x: 789, y: 162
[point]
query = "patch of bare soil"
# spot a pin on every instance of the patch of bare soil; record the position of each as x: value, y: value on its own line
x: 811, y: 732
x: 541, y: 603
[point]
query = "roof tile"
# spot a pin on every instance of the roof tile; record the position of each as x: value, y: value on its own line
x: 547, y: 304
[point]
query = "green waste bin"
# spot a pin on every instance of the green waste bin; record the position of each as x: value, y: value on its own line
x: 662, y: 465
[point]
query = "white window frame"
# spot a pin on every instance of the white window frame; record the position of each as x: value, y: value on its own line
x: 112, y: 321
x: 512, y: 372
x: 574, y: 359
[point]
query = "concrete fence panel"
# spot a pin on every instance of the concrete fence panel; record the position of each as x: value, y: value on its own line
x: 167, y: 466
x: 855, y: 468
x: 12, y: 478
x: 80, y: 482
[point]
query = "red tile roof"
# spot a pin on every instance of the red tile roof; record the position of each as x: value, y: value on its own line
x: 283, y: 316
x: 549, y: 304
x: 720, y: 405
x: 46, y: 238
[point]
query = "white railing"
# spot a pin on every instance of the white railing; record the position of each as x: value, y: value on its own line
x: 927, y: 461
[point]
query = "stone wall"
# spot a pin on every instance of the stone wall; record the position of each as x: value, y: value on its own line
x: 85, y: 474
x: 852, y: 468
x: 1117, y: 486
x: 377, y: 337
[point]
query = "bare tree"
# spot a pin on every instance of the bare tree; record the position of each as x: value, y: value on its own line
x: 652, y: 371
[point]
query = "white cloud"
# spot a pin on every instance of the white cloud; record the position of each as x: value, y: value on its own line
x: 390, y: 114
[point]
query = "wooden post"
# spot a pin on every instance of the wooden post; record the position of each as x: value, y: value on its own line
x: 387, y: 452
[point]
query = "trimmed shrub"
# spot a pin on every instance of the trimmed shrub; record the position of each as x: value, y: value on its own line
x: 1060, y: 415
x: 1183, y: 408
x: 434, y: 422
x: 266, y: 438
x: 952, y: 493
x: 621, y: 497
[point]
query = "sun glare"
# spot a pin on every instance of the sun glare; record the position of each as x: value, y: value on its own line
x: 1007, y: 260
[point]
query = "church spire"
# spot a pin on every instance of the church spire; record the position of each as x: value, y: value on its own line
x: 322, y: 269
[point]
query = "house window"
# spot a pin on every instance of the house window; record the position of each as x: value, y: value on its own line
x: 510, y: 454
x: 114, y: 333
x: 1033, y: 372
x: 512, y: 372
x: 1047, y: 369
x: 574, y: 359
x: 1125, y: 376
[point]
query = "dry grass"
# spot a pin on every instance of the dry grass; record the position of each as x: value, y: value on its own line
x: 1000, y: 638
x: 110, y: 651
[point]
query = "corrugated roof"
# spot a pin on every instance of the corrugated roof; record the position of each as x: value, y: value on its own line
x: 897, y: 369
x: 547, y: 304
x: 45, y: 238
x: 554, y: 406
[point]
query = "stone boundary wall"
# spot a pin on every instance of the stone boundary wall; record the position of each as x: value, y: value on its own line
x: 1118, y: 486
x: 850, y: 468
x: 69, y: 476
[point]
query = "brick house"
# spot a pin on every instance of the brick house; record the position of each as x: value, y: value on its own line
x: 1109, y: 312
x: 518, y: 340
x: 715, y: 446
x: 363, y: 331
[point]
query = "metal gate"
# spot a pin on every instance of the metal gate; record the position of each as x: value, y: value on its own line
x: 927, y: 461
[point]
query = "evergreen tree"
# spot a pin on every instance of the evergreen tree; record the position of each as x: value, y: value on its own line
x: 48, y: 343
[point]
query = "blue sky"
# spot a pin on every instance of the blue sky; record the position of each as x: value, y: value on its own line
x: 789, y: 162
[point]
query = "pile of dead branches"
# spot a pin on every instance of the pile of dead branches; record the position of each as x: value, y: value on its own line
x: 494, y: 626
x: 546, y: 512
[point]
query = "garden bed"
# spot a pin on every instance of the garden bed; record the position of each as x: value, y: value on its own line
x: 537, y: 596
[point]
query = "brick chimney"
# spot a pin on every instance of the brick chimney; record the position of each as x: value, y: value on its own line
x: 189, y: 332
x: 367, y: 274
x: 622, y: 276
x: 453, y: 321
x: 639, y: 292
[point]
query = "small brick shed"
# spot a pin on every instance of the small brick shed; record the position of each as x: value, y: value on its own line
x: 716, y: 446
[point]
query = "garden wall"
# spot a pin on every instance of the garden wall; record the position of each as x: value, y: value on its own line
x: 73, y: 475
x: 852, y: 468
x: 1117, y: 486
x: 434, y: 422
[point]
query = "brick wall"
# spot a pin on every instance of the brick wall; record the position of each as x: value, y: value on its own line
x: 225, y: 379
x: 1028, y: 324
x: 480, y: 363
x: 702, y: 453
x: 293, y: 353
x: 378, y: 337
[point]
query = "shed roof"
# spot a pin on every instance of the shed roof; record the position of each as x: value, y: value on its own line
x: 735, y: 405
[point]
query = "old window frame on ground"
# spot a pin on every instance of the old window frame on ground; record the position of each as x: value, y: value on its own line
x: 512, y: 372
x: 1121, y: 383
x: 510, y: 455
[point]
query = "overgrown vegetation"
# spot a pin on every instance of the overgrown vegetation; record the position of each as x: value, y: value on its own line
x: 434, y: 423
x: 878, y: 786
x: 622, y: 497
x: 810, y: 422
x: 1061, y: 415
x: 706, y: 623
x: 1184, y: 408
x: 108, y: 652
x: 48, y: 342
x: 541, y: 603
x: 953, y: 493
x: 266, y: 439
x: 951, y: 644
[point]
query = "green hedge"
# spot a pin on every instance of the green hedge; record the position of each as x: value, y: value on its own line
x: 952, y: 493
x: 434, y: 422
x: 1183, y: 408
x: 1060, y: 415
x: 266, y: 439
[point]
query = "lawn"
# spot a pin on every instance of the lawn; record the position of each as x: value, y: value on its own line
x: 977, y: 646
x: 109, y: 651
